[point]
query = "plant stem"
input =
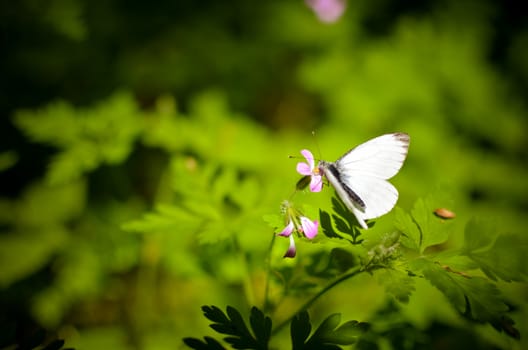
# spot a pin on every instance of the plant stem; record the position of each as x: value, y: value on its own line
x: 310, y: 301
x: 268, y: 275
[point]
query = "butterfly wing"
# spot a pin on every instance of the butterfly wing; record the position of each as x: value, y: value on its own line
x: 366, y: 168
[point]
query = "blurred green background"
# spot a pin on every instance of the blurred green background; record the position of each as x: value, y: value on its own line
x: 142, y: 144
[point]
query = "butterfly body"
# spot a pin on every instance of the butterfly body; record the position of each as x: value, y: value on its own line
x: 360, y: 175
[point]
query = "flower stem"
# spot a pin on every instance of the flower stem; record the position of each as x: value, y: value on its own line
x: 314, y: 298
x: 268, y: 275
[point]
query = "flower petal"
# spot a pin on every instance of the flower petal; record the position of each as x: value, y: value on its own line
x: 316, y: 183
x: 292, y: 251
x: 309, y: 227
x: 327, y: 10
x: 309, y: 158
x: 304, y: 169
x: 287, y: 230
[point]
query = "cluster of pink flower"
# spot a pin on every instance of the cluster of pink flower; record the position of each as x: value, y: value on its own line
x: 297, y: 222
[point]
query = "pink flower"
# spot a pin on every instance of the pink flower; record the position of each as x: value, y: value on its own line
x: 292, y: 251
x: 309, y: 169
x: 306, y: 227
x: 287, y: 230
x: 327, y: 11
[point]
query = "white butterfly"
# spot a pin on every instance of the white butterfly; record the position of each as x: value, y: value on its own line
x: 360, y: 175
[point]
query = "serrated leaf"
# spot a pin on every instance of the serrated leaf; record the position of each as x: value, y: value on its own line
x: 327, y: 327
x: 478, y: 236
x: 498, y: 256
x: 233, y: 324
x: 327, y: 336
x: 397, y: 283
x: 197, y: 344
x: 411, y: 237
x: 344, y: 221
x: 341, y: 225
x: 164, y: 219
x: 434, y: 230
x: 475, y: 297
x: 422, y: 228
x: 326, y: 224
x: 238, y: 322
x: 341, y: 210
x: 260, y: 325
x: 300, y: 329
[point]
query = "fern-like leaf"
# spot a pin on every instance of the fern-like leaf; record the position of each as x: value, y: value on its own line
x: 233, y: 325
x: 498, y: 256
x: 328, y: 336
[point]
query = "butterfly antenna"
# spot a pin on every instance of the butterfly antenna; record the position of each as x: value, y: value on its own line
x: 316, y: 144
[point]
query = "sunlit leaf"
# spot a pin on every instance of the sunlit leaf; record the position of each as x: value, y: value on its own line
x: 473, y: 296
x: 421, y: 228
x: 499, y: 256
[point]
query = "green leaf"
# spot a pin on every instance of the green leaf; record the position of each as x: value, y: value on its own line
x: 86, y: 138
x: 474, y: 297
x: 36, y: 247
x: 209, y: 344
x: 498, y: 256
x: 478, y: 236
x: 233, y: 324
x: 165, y: 219
x: 300, y: 329
x: 274, y: 221
x: 422, y: 228
x: 261, y: 325
x: 327, y: 336
x: 43, y: 125
x: 396, y: 282
x: 326, y: 225
x: 411, y: 237
x: 344, y: 221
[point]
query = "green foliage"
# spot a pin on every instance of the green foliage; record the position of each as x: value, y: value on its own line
x: 328, y: 335
x: 32, y: 218
x: 233, y: 324
x: 421, y: 229
x: 124, y: 211
x: 86, y: 138
x: 452, y: 271
x: 493, y: 252
x: 476, y: 297
x: 344, y: 221
x: 397, y: 283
